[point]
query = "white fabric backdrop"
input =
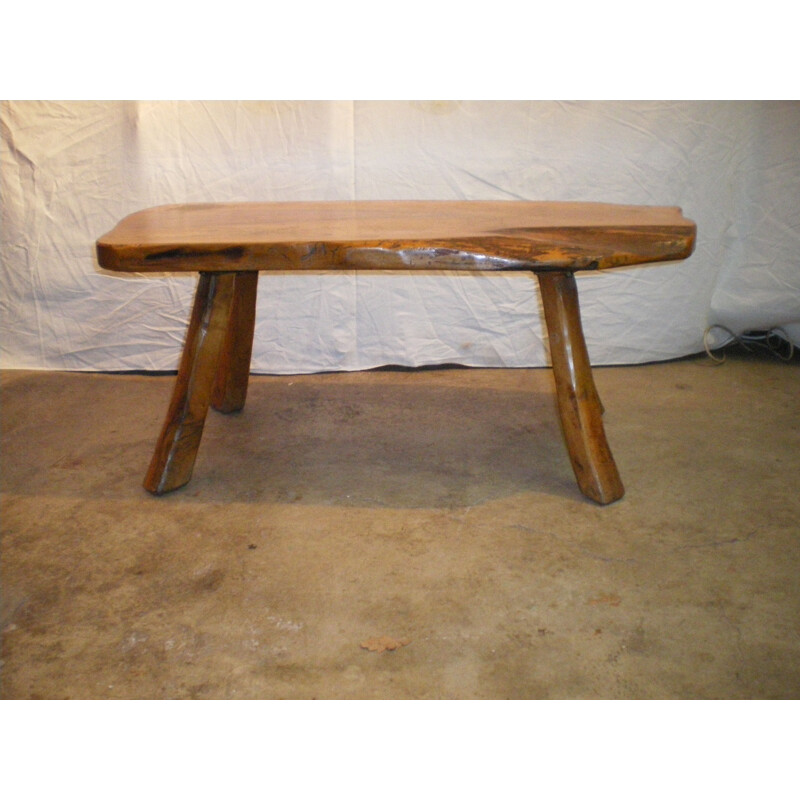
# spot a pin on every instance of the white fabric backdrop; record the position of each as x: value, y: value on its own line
x: 70, y: 171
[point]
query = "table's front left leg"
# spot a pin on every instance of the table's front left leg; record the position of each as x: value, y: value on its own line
x: 176, y: 449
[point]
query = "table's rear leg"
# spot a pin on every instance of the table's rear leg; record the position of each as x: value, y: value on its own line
x: 578, y: 402
x: 233, y: 372
x: 176, y: 449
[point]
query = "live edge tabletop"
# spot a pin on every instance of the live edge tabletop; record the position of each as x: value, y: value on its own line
x: 229, y: 243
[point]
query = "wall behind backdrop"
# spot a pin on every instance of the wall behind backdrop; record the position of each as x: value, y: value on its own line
x: 70, y: 171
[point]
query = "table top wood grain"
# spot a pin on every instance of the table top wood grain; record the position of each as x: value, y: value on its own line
x: 449, y: 235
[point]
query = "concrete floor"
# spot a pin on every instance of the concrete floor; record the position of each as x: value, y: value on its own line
x: 436, y: 508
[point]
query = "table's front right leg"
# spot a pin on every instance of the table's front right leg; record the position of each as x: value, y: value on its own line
x: 579, y: 405
x: 176, y: 449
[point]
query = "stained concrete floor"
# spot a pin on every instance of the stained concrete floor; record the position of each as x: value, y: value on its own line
x: 434, y: 507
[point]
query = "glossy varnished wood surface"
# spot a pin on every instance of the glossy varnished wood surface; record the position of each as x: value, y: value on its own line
x: 503, y: 235
x: 229, y: 243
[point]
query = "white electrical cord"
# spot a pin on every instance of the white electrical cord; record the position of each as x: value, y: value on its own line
x: 773, y: 340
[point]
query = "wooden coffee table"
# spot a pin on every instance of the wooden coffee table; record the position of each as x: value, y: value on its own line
x: 228, y: 244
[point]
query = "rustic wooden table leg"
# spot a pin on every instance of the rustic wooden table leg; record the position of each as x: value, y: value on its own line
x: 176, y: 449
x: 578, y: 402
x: 233, y: 372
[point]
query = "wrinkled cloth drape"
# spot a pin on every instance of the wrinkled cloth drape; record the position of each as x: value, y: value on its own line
x: 70, y: 171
